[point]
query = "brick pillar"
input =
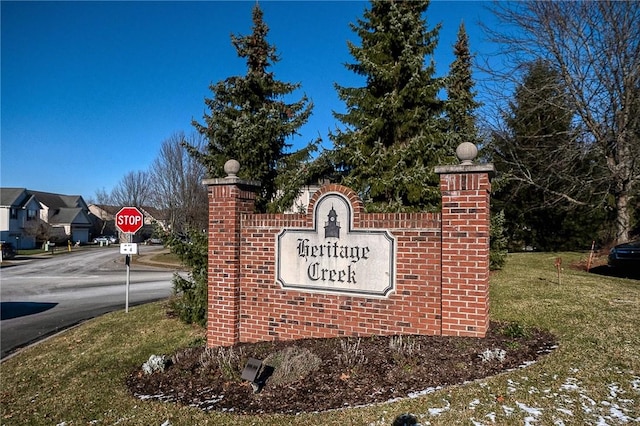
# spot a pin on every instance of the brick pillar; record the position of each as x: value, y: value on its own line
x: 465, y: 192
x: 229, y: 198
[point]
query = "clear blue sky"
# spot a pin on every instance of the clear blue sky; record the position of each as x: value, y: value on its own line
x: 91, y: 89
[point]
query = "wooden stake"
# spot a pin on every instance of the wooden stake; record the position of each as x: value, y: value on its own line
x: 558, y: 265
x: 593, y: 245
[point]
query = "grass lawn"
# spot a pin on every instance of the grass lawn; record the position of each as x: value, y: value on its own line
x: 77, y: 378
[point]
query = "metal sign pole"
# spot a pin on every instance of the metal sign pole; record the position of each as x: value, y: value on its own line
x: 126, y: 300
x: 128, y: 249
x: 127, y: 261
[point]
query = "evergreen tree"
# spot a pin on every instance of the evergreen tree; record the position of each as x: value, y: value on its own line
x: 393, y: 127
x: 250, y: 121
x: 460, y: 111
x: 461, y: 104
x: 541, y: 145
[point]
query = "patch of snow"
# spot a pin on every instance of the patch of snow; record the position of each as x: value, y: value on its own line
x: 438, y: 411
x: 570, y: 384
x: 618, y: 414
x: 473, y: 404
x: 424, y: 392
x: 589, y: 400
x: 536, y: 412
x: 160, y: 397
x: 565, y: 411
x: 508, y: 410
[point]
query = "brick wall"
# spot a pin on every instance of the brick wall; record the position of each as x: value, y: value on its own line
x: 441, y: 270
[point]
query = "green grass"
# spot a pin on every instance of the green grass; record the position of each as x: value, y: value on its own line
x: 29, y: 252
x: 167, y: 258
x: 78, y: 377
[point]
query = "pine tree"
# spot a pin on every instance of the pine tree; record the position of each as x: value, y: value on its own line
x: 540, y: 145
x: 250, y: 121
x: 461, y: 104
x: 460, y: 112
x: 393, y: 127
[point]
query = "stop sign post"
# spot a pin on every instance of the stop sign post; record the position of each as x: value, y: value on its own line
x: 129, y: 220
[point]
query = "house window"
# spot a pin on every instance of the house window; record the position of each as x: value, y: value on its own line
x: 32, y: 214
x: 13, y: 213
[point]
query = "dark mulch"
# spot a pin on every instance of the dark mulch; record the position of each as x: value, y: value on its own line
x: 350, y: 371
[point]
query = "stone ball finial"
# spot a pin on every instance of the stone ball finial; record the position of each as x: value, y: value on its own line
x: 231, y: 168
x: 466, y: 152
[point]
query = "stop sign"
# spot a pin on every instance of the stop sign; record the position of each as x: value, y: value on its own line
x: 129, y: 220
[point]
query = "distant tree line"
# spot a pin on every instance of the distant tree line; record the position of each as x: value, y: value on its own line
x: 565, y: 140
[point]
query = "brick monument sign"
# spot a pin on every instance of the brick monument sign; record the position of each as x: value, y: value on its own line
x: 338, y: 271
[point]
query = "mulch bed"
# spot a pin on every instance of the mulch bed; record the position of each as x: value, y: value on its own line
x: 350, y: 372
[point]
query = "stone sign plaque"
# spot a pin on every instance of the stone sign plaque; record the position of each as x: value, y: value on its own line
x: 333, y: 257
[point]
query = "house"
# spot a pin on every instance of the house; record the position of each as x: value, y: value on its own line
x: 30, y: 217
x: 103, y: 219
x: 153, y: 215
x: 304, y: 198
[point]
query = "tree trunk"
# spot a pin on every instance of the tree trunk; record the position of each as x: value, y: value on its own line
x: 623, y: 220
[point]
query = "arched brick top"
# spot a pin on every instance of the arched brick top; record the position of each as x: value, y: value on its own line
x: 354, y: 200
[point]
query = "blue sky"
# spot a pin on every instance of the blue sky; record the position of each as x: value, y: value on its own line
x: 90, y: 90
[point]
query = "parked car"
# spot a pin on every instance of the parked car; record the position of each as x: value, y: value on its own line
x: 8, y: 250
x: 105, y: 239
x: 153, y: 241
x: 625, y: 255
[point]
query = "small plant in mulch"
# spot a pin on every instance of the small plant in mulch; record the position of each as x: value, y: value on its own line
x: 155, y: 364
x: 351, y: 355
x: 291, y: 365
x: 489, y: 355
x: 513, y: 330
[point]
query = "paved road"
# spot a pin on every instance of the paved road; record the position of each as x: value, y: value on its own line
x: 43, y: 295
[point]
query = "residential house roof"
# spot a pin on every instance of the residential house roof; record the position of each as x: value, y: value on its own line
x: 104, y: 210
x: 11, y: 197
x: 154, y: 213
x: 56, y: 201
x: 65, y: 215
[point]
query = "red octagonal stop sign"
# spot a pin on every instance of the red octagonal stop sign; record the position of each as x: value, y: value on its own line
x: 129, y: 220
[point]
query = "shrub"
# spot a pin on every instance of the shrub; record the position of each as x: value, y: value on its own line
x: 191, y: 305
x: 292, y: 364
x: 498, y: 241
x: 514, y: 330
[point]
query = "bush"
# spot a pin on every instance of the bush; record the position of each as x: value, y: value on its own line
x: 498, y: 241
x: 191, y: 305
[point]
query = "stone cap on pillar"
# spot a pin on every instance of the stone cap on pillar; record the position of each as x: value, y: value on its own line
x: 466, y: 153
x: 231, y: 168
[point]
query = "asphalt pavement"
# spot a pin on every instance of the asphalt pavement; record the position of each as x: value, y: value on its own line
x: 43, y: 295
